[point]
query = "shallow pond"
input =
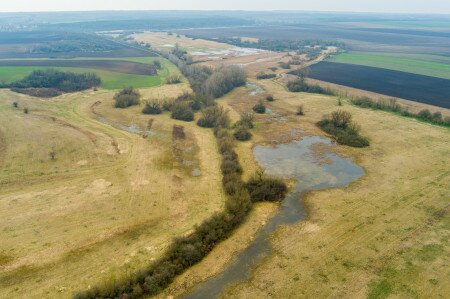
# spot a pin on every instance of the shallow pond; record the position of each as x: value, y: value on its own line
x: 132, y: 128
x: 255, y: 89
x: 312, y: 170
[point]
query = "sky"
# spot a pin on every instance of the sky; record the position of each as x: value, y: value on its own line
x: 386, y: 6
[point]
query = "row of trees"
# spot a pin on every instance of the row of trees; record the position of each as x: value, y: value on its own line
x: 300, y: 85
x: 210, y: 83
x: 300, y: 46
x: 391, y: 105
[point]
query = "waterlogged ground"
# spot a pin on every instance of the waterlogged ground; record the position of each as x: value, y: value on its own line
x: 311, y: 164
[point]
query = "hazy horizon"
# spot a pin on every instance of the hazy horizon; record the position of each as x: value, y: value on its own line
x: 441, y: 7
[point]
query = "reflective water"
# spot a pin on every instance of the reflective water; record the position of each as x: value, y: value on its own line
x: 256, y: 89
x: 132, y: 128
x: 312, y: 170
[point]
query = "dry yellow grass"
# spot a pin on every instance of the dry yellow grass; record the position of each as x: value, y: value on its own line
x: 109, y: 203
x: 164, y: 41
x: 386, y: 234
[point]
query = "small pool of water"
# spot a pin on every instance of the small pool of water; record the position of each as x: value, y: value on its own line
x: 311, y: 171
x: 132, y: 128
x: 256, y: 89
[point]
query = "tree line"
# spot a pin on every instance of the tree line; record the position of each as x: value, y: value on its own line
x: 310, y: 47
x: 55, y: 82
x: 208, y: 82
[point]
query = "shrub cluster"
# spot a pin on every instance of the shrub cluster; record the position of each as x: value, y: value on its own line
x: 340, y: 125
x: 263, y: 76
x: 242, y: 133
x: 157, y: 64
x: 246, y: 120
x: 299, y: 85
x: 391, y: 105
x: 300, y: 110
x: 270, y: 98
x: 213, y: 116
x: 242, y: 127
x: 284, y: 65
x: 173, y: 79
x: 265, y: 188
x: 127, y: 97
x: 182, y: 111
x: 259, y: 108
x: 152, y: 107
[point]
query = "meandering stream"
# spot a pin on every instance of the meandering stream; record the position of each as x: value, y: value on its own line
x: 312, y: 170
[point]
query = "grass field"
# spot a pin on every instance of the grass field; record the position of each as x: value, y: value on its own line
x: 110, y: 80
x: 428, y: 65
x: 110, y: 201
x: 384, y: 235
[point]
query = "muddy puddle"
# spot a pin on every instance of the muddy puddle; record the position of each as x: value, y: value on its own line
x: 132, y: 128
x: 312, y: 170
x: 255, y: 89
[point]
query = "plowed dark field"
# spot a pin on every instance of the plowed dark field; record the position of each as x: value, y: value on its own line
x: 419, y: 88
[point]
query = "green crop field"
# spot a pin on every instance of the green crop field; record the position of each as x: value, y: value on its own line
x: 110, y: 79
x: 428, y: 65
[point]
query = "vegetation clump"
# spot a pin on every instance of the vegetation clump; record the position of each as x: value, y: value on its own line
x: 259, y: 108
x: 242, y: 127
x: 246, y: 120
x: 182, y: 111
x: 391, y: 105
x: 50, y: 83
x: 300, y: 110
x: 270, y: 98
x: 263, y: 76
x: 340, y: 125
x: 284, y: 65
x: 173, y: 79
x: 265, y: 188
x: 242, y: 133
x: 213, y: 116
x: 127, y: 97
x: 152, y: 107
x: 299, y: 85
x: 223, y: 80
x: 157, y: 64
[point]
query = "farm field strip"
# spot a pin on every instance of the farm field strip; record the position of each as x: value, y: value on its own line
x: 120, y: 66
x: 110, y: 79
x: 423, y: 89
x: 410, y: 64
